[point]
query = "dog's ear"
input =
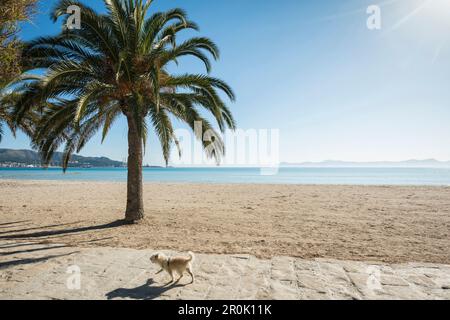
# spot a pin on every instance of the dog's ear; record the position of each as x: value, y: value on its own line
x: 155, y: 256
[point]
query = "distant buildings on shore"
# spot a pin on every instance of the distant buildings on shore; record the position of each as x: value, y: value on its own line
x: 18, y: 165
x: 26, y: 165
x: 74, y: 164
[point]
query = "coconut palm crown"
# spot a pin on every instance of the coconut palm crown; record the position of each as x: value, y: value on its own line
x: 116, y: 65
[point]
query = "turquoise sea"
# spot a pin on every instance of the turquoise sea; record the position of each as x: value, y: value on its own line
x: 359, y: 176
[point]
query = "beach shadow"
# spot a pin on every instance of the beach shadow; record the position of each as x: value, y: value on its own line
x: 15, y: 226
x: 48, y: 233
x: 18, y: 244
x: 144, y: 292
x: 15, y: 222
x: 13, y: 263
x: 31, y: 250
x: 95, y: 240
x: 12, y: 224
x: 37, y: 228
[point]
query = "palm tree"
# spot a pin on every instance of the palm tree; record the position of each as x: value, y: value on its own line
x: 6, y: 117
x: 116, y: 65
x: 8, y: 101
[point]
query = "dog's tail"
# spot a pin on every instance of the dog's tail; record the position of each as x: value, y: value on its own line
x: 191, y: 256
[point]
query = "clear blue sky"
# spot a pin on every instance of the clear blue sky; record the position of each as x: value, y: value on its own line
x: 312, y: 69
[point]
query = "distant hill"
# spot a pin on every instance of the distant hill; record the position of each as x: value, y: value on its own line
x: 29, y: 157
x: 428, y: 163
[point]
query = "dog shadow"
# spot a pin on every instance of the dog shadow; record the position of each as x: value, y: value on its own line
x: 145, y: 292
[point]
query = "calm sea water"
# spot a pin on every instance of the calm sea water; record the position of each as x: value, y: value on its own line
x: 361, y: 176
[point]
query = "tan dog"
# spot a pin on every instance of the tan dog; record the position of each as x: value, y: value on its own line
x: 172, y: 264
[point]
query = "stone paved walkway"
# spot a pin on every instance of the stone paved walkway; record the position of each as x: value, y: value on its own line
x: 37, y: 271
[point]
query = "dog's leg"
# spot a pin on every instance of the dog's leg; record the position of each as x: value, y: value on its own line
x: 181, y: 276
x: 189, y: 270
x: 171, y: 276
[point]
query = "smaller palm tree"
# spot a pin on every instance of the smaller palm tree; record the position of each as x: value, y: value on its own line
x: 8, y: 118
x: 117, y: 65
x: 5, y: 118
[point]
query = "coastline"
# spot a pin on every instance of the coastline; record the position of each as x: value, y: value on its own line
x: 392, y: 224
x: 285, y: 176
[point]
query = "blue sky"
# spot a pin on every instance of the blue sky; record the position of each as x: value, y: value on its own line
x: 313, y: 70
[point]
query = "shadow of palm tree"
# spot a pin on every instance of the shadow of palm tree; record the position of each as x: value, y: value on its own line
x: 37, y: 228
x: 144, y: 292
x: 16, y: 245
x: 12, y: 224
x: 42, y: 234
x: 10, y: 253
x: 7, y: 264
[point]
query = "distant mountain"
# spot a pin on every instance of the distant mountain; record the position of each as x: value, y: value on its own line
x: 28, y: 157
x: 428, y: 163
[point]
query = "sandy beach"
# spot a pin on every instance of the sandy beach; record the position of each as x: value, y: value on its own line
x: 386, y: 224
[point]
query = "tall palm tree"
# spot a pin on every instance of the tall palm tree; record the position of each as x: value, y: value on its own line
x: 116, y: 65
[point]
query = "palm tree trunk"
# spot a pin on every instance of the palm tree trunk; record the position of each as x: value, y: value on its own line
x: 135, y: 202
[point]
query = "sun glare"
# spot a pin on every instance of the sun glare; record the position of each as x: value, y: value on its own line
x: 426, y: 18
x: 439, y: 8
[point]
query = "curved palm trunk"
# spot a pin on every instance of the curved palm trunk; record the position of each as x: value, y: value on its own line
x: 135, y: 203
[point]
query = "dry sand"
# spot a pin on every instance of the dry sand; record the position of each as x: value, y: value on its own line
x: 386, y: 224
